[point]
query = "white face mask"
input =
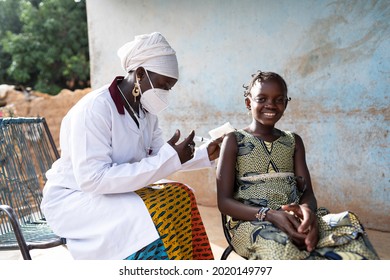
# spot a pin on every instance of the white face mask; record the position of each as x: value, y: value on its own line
x: 154, y: 100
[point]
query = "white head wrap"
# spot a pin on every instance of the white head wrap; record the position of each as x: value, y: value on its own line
x: 151, y: 51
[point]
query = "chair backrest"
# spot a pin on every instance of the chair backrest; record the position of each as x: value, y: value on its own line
x: 225, y: 230
x: 27, y: 151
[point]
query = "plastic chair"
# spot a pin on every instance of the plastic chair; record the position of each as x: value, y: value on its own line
x: 27, y: 151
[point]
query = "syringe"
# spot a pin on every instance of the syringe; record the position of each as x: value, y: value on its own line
x: 201, y: 139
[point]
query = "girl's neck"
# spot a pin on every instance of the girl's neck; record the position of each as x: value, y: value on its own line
x: 266, y: 133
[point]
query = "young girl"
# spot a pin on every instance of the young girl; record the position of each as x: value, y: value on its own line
x: 264, y: 188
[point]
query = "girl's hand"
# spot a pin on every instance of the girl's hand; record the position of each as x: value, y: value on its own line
x: 308, y: 223
x: 289, y: 224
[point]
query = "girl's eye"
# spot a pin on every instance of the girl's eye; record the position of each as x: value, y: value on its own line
x: 260, y: 100
x: 279, y: 101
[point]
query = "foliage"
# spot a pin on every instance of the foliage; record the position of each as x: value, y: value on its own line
x: 9, y: 21
x: 47, y: 44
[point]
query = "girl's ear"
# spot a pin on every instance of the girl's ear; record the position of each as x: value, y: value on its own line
x: 248, y: 103
x: 287, y: 100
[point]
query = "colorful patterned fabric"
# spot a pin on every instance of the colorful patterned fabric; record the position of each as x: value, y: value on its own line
x: 265, y: 178
x: 175, y: 214
x: 153, y: 251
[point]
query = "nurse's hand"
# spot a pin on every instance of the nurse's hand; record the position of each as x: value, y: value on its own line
x: 186, y: 148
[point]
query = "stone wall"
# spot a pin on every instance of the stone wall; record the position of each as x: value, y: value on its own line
x: 33, y: 104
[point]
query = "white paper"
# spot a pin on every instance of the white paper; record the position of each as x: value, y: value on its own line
x: 221, y: 130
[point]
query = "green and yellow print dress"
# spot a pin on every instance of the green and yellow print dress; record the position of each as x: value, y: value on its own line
x: 265, y: 178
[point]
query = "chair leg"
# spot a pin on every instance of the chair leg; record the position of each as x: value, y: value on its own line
x: 226, y: 253
x: 18, y: 233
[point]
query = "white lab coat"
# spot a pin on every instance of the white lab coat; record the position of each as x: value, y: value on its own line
x: 88, y: 197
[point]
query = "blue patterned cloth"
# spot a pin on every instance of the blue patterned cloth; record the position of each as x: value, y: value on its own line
x: 153, y: 251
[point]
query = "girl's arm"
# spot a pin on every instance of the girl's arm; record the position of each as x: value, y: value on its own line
x: 308, y: 203
x: 226, y: 170
x: 300, y: 169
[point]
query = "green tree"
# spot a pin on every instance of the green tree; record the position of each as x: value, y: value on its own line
x: 9, y: 21
x: 50, y: 52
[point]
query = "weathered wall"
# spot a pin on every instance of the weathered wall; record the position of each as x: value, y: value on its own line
x: 334, y: 56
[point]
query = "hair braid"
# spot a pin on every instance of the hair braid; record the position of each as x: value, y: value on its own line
x: 263, y: 77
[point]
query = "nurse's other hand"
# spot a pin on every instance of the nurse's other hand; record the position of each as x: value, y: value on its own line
x: 186, y: 148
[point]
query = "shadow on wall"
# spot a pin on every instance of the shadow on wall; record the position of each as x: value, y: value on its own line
x: 335, y: 44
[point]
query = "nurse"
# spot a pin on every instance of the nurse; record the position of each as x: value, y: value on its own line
x: 103, y: 194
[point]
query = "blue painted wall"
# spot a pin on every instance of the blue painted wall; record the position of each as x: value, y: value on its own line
x: 334, y: 55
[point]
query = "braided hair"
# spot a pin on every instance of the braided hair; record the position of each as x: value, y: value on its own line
x: 265, y: 77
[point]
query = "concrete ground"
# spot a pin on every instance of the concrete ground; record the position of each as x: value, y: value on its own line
x: 212, y: 221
